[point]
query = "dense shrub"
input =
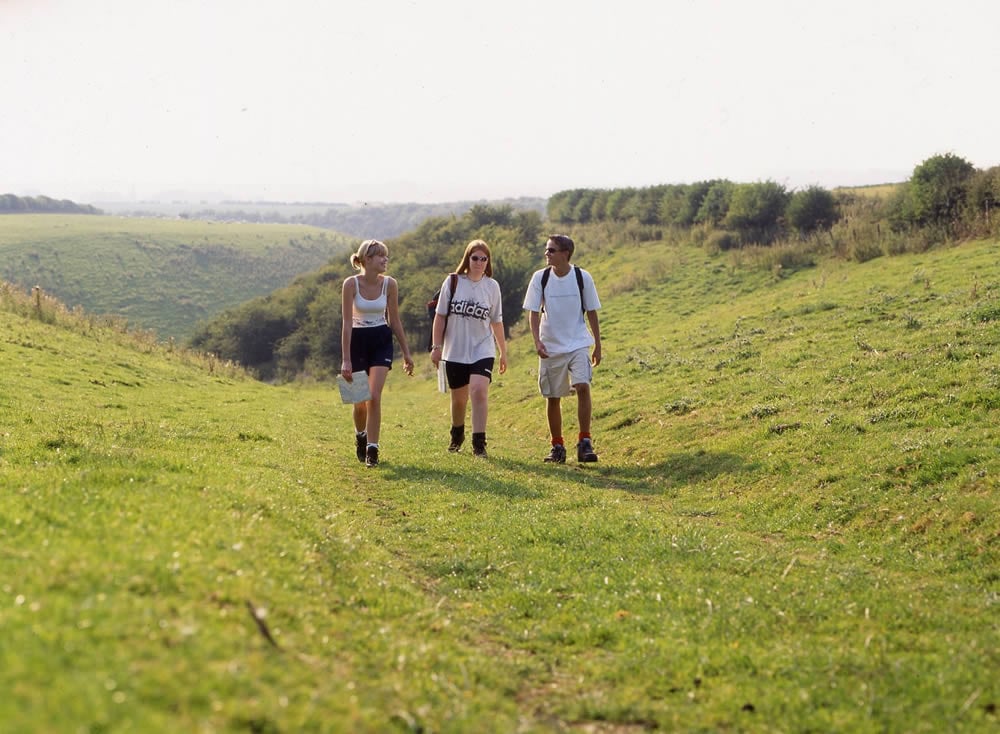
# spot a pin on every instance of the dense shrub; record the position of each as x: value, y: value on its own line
x: 812, y: 209
x: 756, y: 211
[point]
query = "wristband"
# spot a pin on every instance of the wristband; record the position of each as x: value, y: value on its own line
x: 435, y: 346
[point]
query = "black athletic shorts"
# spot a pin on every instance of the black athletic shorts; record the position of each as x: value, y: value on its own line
x: 371, y: 346
x: 458, y: 373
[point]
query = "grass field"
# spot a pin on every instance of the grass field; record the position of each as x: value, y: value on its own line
x: 163, y: 275
x: 875, y: 191
x: 793, y: 526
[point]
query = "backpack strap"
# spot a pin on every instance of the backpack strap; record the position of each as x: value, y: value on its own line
x: 579, y: 284
x: 452, y: 286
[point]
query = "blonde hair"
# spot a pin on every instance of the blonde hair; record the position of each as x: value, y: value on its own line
x: 463, y: 265
x: 368, y: 248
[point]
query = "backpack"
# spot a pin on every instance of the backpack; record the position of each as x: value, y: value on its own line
x: 432, y: 306
x: 579, y: 283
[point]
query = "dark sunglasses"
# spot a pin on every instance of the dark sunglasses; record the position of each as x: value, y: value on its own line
x: 479, y: 258
x: 550, y: 250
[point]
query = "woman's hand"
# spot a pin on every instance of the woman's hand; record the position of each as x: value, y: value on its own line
x: 408, y: 366
x: 346, y: 371
x: 503, y: 364
x: 436, y: 356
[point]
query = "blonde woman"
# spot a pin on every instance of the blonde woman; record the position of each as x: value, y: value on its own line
x: 468, y: 328
x: 370, y: 319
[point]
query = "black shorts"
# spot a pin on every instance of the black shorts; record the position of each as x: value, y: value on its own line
x: 371, y: 346
x: 458, y: 373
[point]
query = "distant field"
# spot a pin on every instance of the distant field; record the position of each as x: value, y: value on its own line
x: 159, y: 274
x: 880, y: 191
x: 178, y: 208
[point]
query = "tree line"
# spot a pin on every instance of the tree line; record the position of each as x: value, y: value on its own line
x: 946, y: 193
x: 296, y: 330
x: 11, y: 204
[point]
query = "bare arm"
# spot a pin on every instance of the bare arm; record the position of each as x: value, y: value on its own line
x: 437, y: 338
x: 392, y: 306
x: 498, y: 334
x: 595, y: 329
x: 535, y: 322
x: 347, y: 324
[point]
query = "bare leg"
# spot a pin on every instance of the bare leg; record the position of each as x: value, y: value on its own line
x: 479, y: 390
x: 360, y: 416
x: 553, y: 410
x: 583, y: 406
x: 459, y: 401
x: 376, y: 381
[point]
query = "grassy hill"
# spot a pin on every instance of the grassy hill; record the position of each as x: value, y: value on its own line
x: 163, y: 275
x: 793, y: 525
x: 369, y: 219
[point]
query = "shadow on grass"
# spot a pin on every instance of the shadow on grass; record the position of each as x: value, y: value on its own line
x: 475, y: 477
x: 652, y: 479
x: 675, y: 470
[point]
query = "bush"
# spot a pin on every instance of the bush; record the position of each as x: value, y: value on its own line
x: 756, y: 210
x: 721, y: 241
x: 865, y: 250
x: 937, y: 191
x: 810, y: 210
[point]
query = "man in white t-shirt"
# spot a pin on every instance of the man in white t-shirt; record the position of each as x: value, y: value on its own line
x: 558, y: 298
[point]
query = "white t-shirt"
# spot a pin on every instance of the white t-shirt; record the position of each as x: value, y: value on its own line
x: 563, y: 328
x: 468, y: 335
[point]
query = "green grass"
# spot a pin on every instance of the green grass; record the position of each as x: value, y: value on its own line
x: 158, y: 274
x: 793, y: 525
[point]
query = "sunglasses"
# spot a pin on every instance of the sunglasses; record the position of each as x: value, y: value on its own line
x: 551, y: 250
x: 479, y: 258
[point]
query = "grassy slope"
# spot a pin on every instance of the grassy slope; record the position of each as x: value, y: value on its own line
x: 793, y: 525
x: 164, y: 275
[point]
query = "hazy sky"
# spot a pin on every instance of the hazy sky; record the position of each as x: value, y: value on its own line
x: 436, y: 100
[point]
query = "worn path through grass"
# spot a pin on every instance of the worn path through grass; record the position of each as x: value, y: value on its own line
x: 792, y: 527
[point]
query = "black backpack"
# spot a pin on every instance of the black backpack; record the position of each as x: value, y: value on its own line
x: 432, y: 306
x: 545, y: 279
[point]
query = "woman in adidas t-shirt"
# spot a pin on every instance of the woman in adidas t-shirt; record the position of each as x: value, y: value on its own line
x: 468, y: 328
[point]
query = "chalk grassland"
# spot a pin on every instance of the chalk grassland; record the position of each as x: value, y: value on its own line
x: 793, y: 525
x: 161, y: 275
x: 874, y: 191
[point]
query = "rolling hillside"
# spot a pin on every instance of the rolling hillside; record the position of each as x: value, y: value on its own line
x: 793, y: 526
x: 163, y: 275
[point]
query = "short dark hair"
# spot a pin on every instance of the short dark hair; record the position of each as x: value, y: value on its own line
x: 563, y: 242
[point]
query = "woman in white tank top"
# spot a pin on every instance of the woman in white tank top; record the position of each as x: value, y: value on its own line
x: 370, y: 303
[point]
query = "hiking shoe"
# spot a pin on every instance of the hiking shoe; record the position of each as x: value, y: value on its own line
x: 361, y: 440
x: 585, y: 451
x: 457, y: 438
x: 371, y: 456
x: 479, y: 447
x: 557, y: 455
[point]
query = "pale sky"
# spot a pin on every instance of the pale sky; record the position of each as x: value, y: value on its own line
x: 438, y: 100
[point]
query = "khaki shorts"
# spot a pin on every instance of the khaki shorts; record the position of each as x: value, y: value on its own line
x: 557, y: 374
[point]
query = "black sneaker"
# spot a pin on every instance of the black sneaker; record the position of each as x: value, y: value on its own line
x: 457, y: 438
x: 371, y: 456
x: 479, y: 447
x: 557, y: 455
x: 361, y: 440
x: 585, y: 451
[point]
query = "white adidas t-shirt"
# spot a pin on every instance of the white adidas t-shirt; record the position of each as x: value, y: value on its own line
x: 563, y: 327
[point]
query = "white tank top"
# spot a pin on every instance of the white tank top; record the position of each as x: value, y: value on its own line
x: 369, y: 313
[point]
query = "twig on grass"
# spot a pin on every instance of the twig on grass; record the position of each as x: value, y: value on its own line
x: 261, y: 624
x: 788, y: 567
